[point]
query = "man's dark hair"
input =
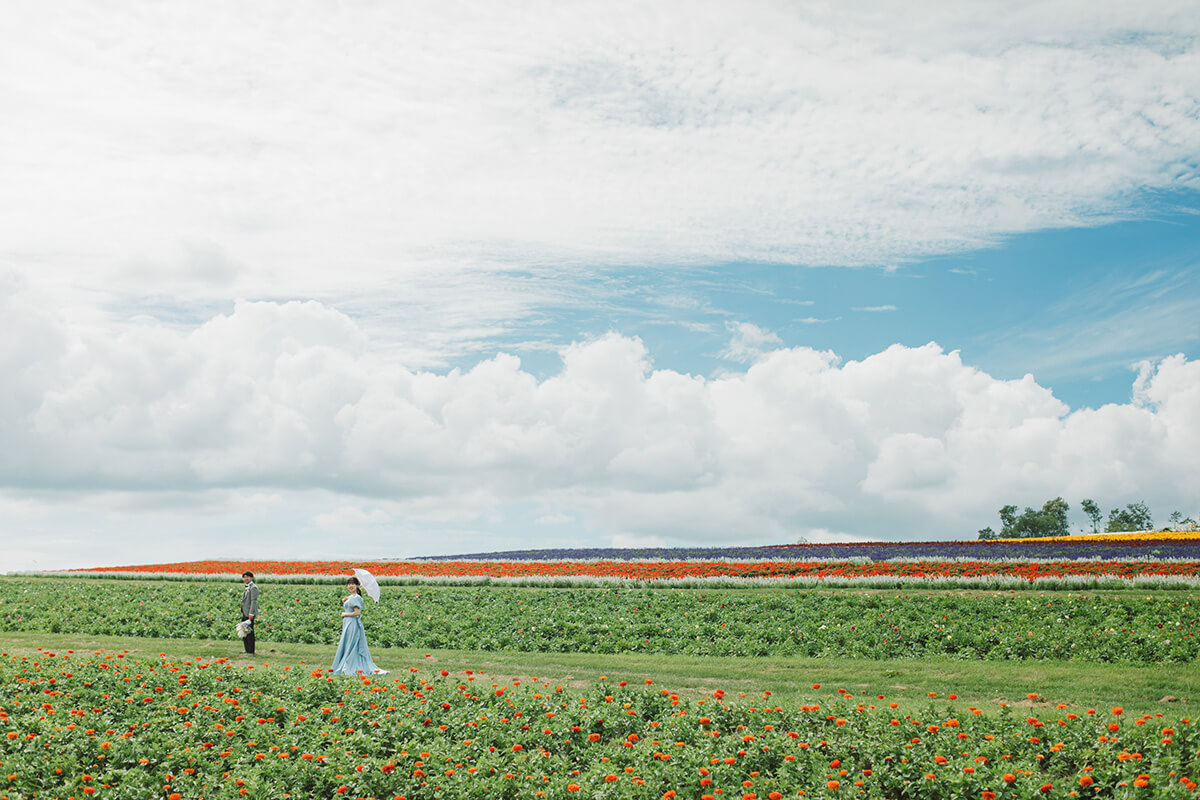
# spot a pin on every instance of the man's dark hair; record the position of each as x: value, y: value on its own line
x: 248, y: 574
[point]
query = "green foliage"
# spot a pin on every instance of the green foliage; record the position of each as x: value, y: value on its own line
x: 987, y: 534
x: 1130, y: 627
x: 1093, y: 513
x: 1050, y: 521
x: 1134, y: 517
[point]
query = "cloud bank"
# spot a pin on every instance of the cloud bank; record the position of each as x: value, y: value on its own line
x: 277, y: 398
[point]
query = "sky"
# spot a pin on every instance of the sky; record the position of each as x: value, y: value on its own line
x: 378, y: 280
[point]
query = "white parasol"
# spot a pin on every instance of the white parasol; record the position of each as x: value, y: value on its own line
x: 367, y: 581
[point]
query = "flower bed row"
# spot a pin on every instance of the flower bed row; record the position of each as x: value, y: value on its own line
x: 683, y: 570
x: 107, y: 725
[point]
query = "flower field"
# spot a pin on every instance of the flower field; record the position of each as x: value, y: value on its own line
x: 697, y: 570
x: 87, y: 723
x: 104, y: 724
x: 1124, y: 626
x: 1163, y: 545
x: 1078, y: 560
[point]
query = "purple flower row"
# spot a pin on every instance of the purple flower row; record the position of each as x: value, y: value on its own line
x: 1064, y: 550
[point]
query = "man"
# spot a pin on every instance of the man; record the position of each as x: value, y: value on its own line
x: 249, y: 608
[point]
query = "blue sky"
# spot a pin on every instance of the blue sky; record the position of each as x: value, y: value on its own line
x: 286, y: 279
x: 1129, y: 288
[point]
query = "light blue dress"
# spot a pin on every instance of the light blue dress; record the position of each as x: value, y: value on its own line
x: 352, y: 656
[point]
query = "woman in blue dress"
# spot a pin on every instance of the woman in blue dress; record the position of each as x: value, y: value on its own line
x: 352, y: 656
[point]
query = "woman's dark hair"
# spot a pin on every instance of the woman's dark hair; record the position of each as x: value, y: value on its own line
x: 357, y: 585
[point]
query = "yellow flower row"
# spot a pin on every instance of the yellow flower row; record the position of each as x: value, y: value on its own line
x: 1124, y: 536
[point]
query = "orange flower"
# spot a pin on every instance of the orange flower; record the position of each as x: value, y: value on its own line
x: 833, y: 786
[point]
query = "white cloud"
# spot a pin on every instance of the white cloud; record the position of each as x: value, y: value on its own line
x: 350, y: 518
x: 278, y: 401
x: 625, y: 540
x: 875, y: 308
x: 466, y: 163
x: 749, y: 342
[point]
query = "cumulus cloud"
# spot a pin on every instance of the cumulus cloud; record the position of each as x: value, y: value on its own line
x: 283, y: 398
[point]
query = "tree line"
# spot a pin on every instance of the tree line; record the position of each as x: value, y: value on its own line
x: 1051, y: 520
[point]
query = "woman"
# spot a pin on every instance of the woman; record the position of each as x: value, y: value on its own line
x: 352, y: 656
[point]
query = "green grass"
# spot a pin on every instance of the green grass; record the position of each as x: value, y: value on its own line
x: 985, y: 685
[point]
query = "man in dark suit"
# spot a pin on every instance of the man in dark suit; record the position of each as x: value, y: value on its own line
x: 249, y: 608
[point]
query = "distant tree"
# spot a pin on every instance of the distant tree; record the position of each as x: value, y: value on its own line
x: 1181, y: 523
x: 987, y: 533
x: 1008, y: 522
x: 1093, y: 512
x: 1053, y: 518
x: 1134, y: 517
x: 1050, y: 521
